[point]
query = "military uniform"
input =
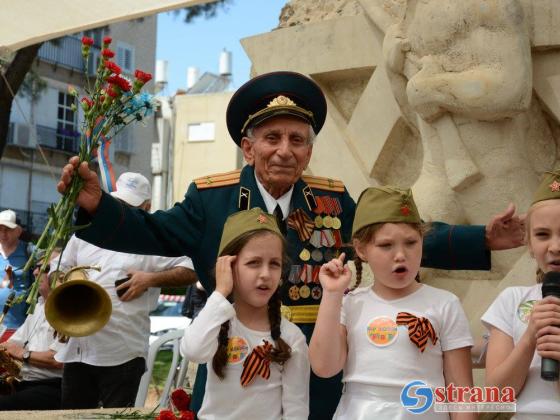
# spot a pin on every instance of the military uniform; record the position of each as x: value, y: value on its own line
x: 318, y: 225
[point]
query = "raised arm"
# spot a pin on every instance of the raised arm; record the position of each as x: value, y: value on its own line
x: 328, y: 348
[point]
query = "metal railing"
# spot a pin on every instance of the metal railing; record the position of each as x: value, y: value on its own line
x: 65, y: 51
x: 63, y: 140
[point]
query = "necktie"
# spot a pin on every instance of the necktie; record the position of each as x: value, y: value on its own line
x: 280, y: 219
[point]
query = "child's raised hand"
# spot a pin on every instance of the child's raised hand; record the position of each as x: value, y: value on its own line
x: 224, y: 274
x: 547, y: 317
x: 335, y: 276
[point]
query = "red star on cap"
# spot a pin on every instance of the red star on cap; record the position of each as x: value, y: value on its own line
x: 405, y: 211
x: 261, y: 219
x: 555, y: 186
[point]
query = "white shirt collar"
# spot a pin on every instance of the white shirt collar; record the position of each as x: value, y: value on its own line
x: 270, y: 202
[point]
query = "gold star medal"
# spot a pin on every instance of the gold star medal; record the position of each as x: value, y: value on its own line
x: 304, y: 291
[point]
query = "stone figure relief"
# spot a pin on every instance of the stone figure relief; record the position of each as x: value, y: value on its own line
x: 462, y: 74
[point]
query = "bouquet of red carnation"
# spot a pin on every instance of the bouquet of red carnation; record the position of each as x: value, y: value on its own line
x: 181, y: 401
x: 110, y: 104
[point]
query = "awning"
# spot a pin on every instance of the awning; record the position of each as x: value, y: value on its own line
x: 27, y: 22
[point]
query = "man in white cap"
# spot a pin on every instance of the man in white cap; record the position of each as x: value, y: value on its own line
x: 13, y: 256
x: 106, y: 367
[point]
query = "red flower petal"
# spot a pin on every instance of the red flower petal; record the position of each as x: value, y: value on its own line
x: 86, y: 40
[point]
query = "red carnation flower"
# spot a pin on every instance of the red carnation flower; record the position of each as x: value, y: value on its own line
x: 107, y: 40
x: 86, y: 40
x: 112, y: 67
x: 181, y: 400
x: 187, y: 415
x: 107, y: 53
x: 119, y: 81
x: 166, y: 415
x: 143, y: 77
x: 112, y: 92
x: 86, y: 103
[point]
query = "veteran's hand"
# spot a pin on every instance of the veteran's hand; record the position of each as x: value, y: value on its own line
x: 90, y: 194
x: 505, y: 230
x: 335, y: 276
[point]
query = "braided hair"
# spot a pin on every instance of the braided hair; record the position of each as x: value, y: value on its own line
x: 281, y: 351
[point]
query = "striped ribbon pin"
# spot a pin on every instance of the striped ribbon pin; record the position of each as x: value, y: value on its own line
x: 302, y: 224
x: 419, y: 329
x: 257, y: 363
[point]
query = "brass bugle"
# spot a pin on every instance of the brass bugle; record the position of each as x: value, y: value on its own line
x: 77, y: 307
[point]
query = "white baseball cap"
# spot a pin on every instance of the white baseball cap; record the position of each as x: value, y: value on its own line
x: 8, y: 218
x: 133, y: 188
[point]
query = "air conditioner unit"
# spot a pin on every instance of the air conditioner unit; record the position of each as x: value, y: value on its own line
x: 22, y: 136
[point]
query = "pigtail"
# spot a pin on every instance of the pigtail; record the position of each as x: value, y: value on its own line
x: 219, y: 361
x: 359, y: 270
x: 282, y: 351
x: 540, y: 275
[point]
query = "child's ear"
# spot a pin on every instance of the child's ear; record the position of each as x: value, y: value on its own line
x: 360, y: 249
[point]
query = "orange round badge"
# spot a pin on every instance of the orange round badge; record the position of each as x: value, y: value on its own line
x: 237, y: 350
x: 382, y: 331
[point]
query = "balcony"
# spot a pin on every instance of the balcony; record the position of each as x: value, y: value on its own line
x: 63, y: 140
x: 65, y: 52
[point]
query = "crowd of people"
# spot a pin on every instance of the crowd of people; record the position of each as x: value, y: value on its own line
x: 270, y: 247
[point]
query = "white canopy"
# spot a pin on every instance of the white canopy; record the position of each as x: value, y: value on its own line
x: 27, y: 22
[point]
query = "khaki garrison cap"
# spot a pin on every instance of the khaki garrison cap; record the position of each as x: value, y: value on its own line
x: 385, y: 205
x: 246, y: 221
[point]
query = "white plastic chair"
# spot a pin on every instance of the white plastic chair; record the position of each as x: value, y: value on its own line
x: 172, y: 378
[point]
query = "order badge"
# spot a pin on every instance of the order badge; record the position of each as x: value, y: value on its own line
x: 237, y: 350
x: 382, y: 331
x: 524, y: 310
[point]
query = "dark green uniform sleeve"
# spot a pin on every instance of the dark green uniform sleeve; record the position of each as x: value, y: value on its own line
x: 456, y: 247
x: 172, y: 233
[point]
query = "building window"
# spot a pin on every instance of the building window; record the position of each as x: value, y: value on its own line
x: 125, y: 57
x: 66, y: 123
x: 204, y: 131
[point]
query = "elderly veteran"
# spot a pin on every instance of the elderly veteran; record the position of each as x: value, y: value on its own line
x: 273, y: 118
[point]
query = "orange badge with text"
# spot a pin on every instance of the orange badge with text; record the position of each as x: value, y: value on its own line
x: 382, y: 331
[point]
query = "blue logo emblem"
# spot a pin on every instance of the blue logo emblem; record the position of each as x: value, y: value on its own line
x: 417, y: 397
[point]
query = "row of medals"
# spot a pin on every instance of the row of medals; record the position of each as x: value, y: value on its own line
x: 295, y: 292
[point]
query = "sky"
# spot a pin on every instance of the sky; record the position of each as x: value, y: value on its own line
x: 200, y: 42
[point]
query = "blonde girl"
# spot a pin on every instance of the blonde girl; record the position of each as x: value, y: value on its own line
x: 398, y: 331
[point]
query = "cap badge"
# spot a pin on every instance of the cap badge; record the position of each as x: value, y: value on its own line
x: 281, y: 100
x: 261, y: 219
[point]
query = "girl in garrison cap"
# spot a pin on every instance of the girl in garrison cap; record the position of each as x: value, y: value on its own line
x: 524, y: 327
x: 259, y: 363
x: 395, y: 332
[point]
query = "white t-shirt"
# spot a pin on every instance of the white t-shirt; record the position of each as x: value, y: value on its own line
x: 126, y: 334
x: 381, y: 357
x: 37, y: 335
x: 284, y: 395
x: 509, y: 313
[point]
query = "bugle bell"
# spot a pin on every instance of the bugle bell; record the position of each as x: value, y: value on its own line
x: 77, y: 307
